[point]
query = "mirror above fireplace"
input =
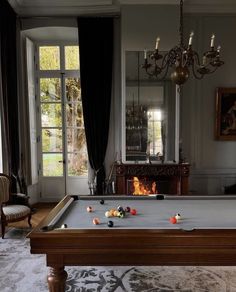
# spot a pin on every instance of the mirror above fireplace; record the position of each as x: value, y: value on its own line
x: 150, y: 115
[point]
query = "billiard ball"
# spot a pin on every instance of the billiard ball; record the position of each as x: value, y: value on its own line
x: 108, y: 214
x: 120, y: 208
x: 173, y: 220
x: 96, y: 221
x: 133, y: 211
x: 64, y: 226
x: 121, y: 214
x: 127, y: 209
x: 102, y: 202
x: 89, y: 209
x: 116, y: 213
x: 177, y: 216
x: 110, y: 224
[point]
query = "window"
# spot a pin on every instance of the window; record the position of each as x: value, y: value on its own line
x: 155, y: 131
x: 63, y: 143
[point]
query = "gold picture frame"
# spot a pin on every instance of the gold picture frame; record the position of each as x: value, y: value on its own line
x: 225, y: 129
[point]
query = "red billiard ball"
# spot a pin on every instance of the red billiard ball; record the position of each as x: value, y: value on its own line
x: 133, y: 211
x: 173, y: 220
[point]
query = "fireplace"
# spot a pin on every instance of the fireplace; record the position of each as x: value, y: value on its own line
x: 145, y: 179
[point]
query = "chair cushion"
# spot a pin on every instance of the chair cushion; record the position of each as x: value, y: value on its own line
x: 14, y: 212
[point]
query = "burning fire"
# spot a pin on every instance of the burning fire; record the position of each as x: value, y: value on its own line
x: 140, y: 189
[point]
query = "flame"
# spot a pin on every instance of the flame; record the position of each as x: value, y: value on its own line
x: 141, y: 189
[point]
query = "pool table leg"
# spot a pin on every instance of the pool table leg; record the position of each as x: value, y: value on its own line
x: 57, y: 279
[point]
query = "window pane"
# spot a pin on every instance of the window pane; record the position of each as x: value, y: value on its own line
x: 74, y: 115
x: 77, y: 164
x: 49, y: 58
x: 50, y: 89
x: 52, y: 140
x: 73, y: 90
x: 74, y: 112
x: 52, y: 165
x: 51, y: 115
x: 76, y: 140
x: 71, y: 57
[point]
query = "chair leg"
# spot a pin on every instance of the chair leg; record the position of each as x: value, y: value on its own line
x: 3, y: 228
x: 29, y: 218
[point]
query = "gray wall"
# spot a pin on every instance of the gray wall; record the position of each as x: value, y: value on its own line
x: 213, y: 163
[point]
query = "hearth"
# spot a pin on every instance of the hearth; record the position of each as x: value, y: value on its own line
x: 145, y: 179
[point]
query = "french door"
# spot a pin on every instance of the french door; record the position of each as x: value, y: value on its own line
x: 62, y: 145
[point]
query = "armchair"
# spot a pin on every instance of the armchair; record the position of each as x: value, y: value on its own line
x: 10, y: 211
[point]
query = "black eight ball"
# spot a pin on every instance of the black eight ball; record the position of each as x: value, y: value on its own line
x: 110, y: 223
x: 102, y: 202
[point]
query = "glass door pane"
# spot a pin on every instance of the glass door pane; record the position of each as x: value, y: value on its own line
x: 51, y: 126
x: 76, y: 142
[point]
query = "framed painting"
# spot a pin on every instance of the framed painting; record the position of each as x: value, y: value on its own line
x: 226, y: 114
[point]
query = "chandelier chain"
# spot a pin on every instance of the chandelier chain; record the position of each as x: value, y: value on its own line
x: 181, y: 32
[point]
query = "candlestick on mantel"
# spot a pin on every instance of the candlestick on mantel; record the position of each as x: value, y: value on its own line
x: 212, y: 40
x: 191, y: 38
x: 145, y: 54
x: 157, y: 43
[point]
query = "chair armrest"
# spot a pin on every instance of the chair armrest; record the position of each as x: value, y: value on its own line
x: 19, y: 198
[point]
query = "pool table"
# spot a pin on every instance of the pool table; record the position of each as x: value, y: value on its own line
x: 205, y: 234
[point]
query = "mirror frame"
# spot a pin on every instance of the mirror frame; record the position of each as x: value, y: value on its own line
x: 123, y: 118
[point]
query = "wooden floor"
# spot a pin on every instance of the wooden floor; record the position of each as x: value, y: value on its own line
x: 41, y: 210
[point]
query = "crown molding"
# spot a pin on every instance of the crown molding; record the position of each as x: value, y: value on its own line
x: 84, y: 7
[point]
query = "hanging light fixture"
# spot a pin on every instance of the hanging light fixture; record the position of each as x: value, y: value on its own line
x: 182, y: 59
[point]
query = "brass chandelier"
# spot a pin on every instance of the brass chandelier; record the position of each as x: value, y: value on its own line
x: 182, y: 59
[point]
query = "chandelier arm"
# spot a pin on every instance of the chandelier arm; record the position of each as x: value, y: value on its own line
x: 212, y: 69
x: 200, y: 76
x: 196, y: 58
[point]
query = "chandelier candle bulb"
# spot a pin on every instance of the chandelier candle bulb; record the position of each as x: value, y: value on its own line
x: 157, y: 43
x: 218, y: 49
x: 212, y: 41
x: 191, y: 38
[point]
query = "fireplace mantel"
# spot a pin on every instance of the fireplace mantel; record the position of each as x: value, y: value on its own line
x: 176, y: 175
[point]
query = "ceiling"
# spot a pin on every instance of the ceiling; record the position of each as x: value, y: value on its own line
x: 84, y: 7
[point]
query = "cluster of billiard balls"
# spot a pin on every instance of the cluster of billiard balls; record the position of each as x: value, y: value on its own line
x: 175, y: 219
x: 119, y: 212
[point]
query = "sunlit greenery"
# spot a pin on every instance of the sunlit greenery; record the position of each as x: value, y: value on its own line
x: 49, y: 58
x: 71, y: 57
x: 52, y: 165
x: 51, y: 114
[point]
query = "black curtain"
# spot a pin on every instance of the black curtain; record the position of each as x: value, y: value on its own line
x: 96, y: 58
x: 8, y: 81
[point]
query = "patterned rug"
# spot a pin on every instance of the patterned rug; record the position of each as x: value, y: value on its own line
x: 22, y: 272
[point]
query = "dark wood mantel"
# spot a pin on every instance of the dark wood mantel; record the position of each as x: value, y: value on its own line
x: 176, y: 174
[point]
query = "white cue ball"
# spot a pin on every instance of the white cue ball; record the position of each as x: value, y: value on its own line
x: 177, y: 217
x: 108, y: 214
